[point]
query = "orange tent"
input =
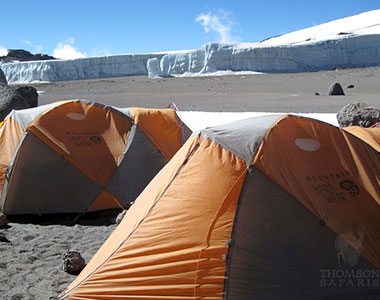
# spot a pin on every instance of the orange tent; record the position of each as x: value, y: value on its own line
x: 370, y: 136
x: 273, y: 207
x: 72, y: 156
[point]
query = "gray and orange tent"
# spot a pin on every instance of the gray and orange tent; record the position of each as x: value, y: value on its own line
x: 78, y: 156
x: 264, y: 208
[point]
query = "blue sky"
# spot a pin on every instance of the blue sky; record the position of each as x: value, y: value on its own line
x: 92, y: 28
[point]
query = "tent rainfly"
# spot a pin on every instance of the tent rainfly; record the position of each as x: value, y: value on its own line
x: 78, y: 156
x: 273, y: 207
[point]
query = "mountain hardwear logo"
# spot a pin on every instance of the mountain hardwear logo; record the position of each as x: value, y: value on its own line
x: 350, y: 187
x: 84, y: 138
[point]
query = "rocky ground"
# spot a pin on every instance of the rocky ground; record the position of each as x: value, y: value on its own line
x: 294, y: 92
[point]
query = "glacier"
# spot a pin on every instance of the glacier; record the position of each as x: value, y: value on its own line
x: 349, y: 52
x: 76, y: 69
x: 350, y: 42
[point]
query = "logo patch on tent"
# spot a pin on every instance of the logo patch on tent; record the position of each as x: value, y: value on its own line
x: 307, y: 144
x: 76, y: 116
x: 84, y: 138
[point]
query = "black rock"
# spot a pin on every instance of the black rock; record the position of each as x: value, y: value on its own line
x: 336, y: 90
x: 23, y: 55
x: 358, y: 114
x: 3, y: 239
x: 350, y: 86
x: 316, y: 94
x: 12, y: 97
x: 3, y: 79
x: 3, y: 221
x: 73, y: 262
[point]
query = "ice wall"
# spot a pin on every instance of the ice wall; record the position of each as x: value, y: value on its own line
x: 84, y: 68
x: 344, y: 52
x: 350, y: 52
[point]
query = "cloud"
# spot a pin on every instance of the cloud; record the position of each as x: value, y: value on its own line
x: 67, y: 50
x: 3, y: 51
x: 221, y: 23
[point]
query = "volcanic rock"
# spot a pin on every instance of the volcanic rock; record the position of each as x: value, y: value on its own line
x: 16, y: 98
x: 73, y: 262
x: 336, y: 90
x: 3, y: 221
x: 3, y: 79
x: 23, y: 55
x: 358, y: 114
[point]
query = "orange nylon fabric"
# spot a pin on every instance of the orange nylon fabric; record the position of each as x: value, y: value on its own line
x: 134, y: 215
x: 162, y: 128
x: 172, y: 242
x: 10, y: 135
x: 371, y: 136
x: 332, y: 173
x: 367, y: 169
x: 106, y: 139
x: 105, y: 200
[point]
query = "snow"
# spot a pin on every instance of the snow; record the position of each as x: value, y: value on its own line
x: 197, y: 120
x: 219, y: 73
x: 361, y: 24
x: 345, y: 43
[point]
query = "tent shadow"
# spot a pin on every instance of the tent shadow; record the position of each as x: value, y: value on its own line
x: 97, y: 218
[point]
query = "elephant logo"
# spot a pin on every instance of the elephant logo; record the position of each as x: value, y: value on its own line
x: 349, y: 246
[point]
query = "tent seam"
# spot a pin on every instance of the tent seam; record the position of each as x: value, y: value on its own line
x: 212, y: 223
x: 195, y: 148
